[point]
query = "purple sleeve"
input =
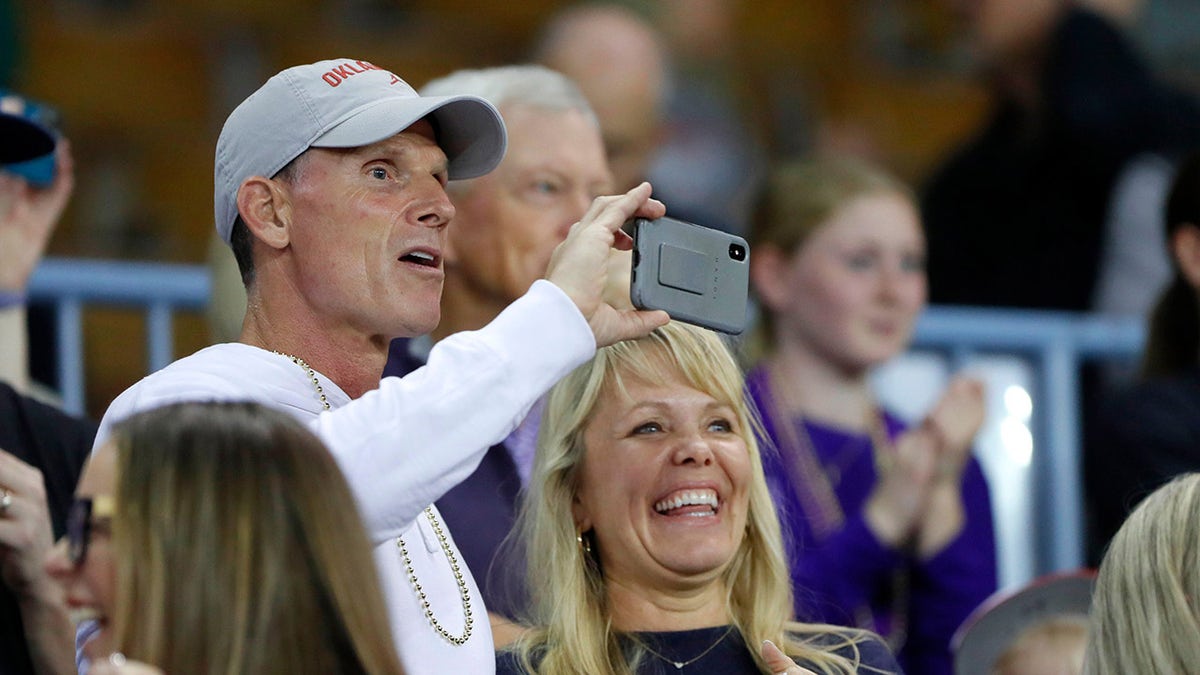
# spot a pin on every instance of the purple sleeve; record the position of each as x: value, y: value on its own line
x: 834, y: 579
x: 949, y: 585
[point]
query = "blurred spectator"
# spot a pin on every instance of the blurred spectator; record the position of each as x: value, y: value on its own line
x: 1040, y: 629
x: 619, y: 61
x: 890, y: 526
x: 36, y: 179
x: 1016, y: 216
x: 665, y: 89
x: 1144, y: 615
x: 712, y: 164
x: 1149, y: 431
x: 42, y: 449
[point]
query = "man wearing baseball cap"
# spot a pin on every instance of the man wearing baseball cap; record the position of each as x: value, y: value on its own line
x: 330, y: 188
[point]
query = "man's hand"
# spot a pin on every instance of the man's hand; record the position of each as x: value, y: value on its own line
x: 580, y: 265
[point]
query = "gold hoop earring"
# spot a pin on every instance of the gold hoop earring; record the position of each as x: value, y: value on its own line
x: 585, y: 544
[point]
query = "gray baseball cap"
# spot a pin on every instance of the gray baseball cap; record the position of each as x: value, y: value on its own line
x: 343, y: 103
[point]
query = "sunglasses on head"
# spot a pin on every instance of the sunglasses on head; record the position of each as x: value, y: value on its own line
x: 84, y: 515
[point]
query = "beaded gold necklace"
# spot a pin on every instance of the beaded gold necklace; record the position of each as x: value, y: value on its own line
x: 463, y: 592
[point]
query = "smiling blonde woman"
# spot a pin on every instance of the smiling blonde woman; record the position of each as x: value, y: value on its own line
x: 653, y: 545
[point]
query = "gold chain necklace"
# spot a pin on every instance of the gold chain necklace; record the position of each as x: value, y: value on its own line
x: 463, y: 592
x: 680, y: 665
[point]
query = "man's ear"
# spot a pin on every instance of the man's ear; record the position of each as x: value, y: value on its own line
x: 1185, y: 246
x: 266, y: 210
x: 768, y: 275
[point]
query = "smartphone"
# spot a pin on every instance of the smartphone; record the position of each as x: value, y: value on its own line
x: 695, y: 273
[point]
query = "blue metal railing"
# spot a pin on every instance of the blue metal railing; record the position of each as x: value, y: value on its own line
x: 1055, y: 343
x: 159, y: 289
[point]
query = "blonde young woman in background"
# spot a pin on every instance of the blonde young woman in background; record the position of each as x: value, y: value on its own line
x: 1144, y: 615
x: 652, y: 543
x: 222, y: 538
x: 889, y: 527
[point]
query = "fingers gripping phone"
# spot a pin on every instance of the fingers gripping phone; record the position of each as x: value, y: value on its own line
x: 695, y: 273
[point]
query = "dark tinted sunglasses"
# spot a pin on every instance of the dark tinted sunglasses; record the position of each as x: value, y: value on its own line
x: 84, y: 515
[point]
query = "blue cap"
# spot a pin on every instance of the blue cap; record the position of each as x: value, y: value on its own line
x: 27, y: 138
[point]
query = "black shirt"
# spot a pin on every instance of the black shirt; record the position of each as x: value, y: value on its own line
x: 727, y: 653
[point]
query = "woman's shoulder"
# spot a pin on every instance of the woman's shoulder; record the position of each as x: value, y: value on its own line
x: 865, y: 648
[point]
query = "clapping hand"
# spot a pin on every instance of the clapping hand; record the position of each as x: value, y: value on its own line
x: 917, y: 499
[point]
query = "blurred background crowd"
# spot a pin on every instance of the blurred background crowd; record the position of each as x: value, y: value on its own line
x: 141, y: 88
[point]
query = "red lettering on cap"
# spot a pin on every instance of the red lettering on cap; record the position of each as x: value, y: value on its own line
x: 346, y: 70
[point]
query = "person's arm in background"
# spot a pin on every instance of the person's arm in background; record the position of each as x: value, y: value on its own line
x: 955, y: 543
x: 27, y: 219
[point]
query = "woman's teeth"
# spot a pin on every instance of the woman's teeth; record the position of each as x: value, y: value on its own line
x: 689, y: 498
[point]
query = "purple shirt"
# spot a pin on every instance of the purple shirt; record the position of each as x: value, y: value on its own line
x: 847, y: 576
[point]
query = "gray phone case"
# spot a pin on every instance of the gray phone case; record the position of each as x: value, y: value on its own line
x: 692, y: 272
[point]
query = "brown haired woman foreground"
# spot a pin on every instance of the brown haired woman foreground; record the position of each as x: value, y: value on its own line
x: 222, y: 538
x: 653, y: 545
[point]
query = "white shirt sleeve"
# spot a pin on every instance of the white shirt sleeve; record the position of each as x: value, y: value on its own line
x: 405, y: 444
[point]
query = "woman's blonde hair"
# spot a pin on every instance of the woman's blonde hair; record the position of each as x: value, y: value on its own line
x: 799, y: 197
x: 240, y: 548
x: 1145, y: 617
x: 569, y: 600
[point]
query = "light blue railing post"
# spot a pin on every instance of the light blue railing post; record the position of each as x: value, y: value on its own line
x: 68, y: 323
x: 160, y: 335
x: 1057, y: 462
x: 159, y: 290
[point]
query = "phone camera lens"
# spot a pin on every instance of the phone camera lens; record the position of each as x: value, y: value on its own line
x: 737, y: 251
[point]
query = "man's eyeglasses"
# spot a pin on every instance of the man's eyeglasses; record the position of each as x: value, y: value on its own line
x: 83, y: 516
